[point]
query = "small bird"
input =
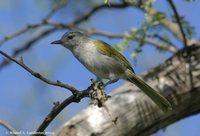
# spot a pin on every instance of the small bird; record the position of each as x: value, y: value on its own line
x: 107, y: 63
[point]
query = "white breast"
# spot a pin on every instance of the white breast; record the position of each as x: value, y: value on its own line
x: 85, y: 54
x: 101, y: 65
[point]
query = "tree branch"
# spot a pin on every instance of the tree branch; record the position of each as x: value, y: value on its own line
x: 59, y: 4
x: 15, y: 34
x: 173, y: 27
x: 161, y: 38
x: 95, y: 9
x: 178, y: 21
x: 170, y: 48
x: 9, y: 128
x: 58, y: 108
x: 161, y: 45
x: 39, y: 76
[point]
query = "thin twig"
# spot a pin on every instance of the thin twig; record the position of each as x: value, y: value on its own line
x: 27, y: 46
x: 9, y: 128
x: 95, y: 9
x: 32, y: 26
x: 161, y: 45
x: 159, y: 37
x: 170, y: 48
x: 178, y: 21
x: 59, y: 4
x: 39, y: 76
x: 13, y: 35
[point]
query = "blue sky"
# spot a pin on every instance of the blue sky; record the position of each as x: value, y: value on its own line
x: 25, y: 99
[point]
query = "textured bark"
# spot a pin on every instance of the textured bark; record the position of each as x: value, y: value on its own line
x: 135, y: 114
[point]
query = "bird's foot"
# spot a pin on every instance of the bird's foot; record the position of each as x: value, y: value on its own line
x: 97, y: 93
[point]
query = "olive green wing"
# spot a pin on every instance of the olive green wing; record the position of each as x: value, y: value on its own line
x: 108, y: 50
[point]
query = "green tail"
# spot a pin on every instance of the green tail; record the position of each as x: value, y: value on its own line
x: 162, y: 102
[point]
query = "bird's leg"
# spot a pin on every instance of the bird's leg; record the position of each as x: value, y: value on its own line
x: 110, y: 82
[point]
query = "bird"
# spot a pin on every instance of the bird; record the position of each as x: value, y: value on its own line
x: 106, y: 62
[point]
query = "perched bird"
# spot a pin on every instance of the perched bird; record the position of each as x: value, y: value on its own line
x: 107, y: 63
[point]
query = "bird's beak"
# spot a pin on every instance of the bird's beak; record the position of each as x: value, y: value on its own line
x: 57, y: 42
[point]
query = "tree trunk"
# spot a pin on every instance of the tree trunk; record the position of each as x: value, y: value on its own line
x: 130, y: 112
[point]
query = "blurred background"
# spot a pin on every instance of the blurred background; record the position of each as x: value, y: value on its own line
x: 25, y: 101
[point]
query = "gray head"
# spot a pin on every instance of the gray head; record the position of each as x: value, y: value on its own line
x: 71, y: 39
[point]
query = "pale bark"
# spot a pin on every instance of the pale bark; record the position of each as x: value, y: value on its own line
x: 176, y: 78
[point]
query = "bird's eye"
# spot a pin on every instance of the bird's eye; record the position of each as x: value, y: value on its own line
x: 70, y: 36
